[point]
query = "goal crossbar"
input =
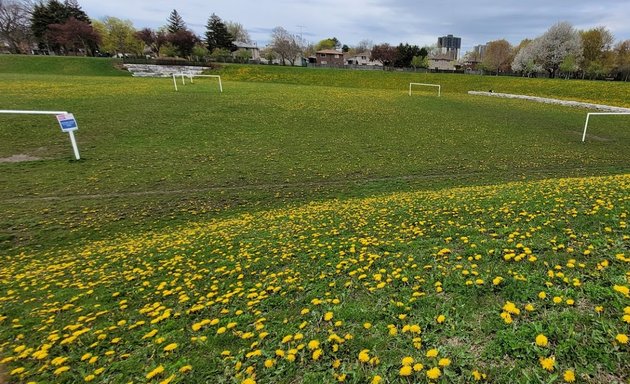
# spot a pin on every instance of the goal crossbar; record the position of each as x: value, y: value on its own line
x: 426, y: 85
x: 191, y: 76
x: 588, y: 116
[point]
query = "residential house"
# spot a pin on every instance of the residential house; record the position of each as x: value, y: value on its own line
x: 362, y: 59
x: 329, y: 57
x: 442, y: 62
x: 253, y: 50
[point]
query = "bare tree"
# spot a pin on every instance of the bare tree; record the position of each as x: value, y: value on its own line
x: 384, y: 53
x: 596, y: 49
x: 497, y: 56
x: 238, y: 32
x: 286, y: 45
x: 364, y: 45
x: 15, y: 25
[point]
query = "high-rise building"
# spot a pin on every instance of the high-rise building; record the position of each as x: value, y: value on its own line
x: 450, y: 45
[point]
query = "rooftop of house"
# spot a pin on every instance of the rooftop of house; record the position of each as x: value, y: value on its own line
x: 330, y: 52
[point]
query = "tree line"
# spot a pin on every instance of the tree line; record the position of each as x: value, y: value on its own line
x: 561, y: 51
x: 64, y: 28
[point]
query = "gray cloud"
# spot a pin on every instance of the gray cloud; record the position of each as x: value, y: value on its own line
x: 393, y: 21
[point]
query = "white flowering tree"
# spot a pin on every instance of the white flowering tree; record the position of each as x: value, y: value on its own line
x: 554, y: 46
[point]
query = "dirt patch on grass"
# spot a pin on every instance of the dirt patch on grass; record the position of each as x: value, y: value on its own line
x: 19, y: 158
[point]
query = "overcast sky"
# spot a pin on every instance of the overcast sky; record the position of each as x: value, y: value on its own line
x: 393, y: 21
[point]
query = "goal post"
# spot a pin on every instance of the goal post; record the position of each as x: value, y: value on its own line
x: 192, y: 76
x: 426, y: 85
x: 588, y: 116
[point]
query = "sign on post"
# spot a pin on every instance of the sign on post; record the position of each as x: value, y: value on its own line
x: 68, y: 123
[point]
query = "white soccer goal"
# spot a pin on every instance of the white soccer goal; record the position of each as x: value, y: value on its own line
x: 191, y: 77
x: 426, y: 85
x: 588, y: 115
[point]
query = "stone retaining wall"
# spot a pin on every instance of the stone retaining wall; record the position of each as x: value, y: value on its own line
x: 151, y: 70
x: 568, y: 103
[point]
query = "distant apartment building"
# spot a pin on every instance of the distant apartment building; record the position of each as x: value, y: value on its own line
x: 479, y: 51
x: 450, y: 45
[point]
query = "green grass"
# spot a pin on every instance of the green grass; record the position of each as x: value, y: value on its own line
x: 302, y: 181
x: 59, y: 65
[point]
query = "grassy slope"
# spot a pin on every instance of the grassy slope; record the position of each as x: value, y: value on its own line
x: 139, y: 136
x: 273, y: 274
x: 612, y: 93
x: 59, y: 65
x: 267, y: 143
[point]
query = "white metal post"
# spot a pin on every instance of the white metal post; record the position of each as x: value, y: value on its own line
x: 74, y: 145
x: 220, y: 85
x: 183, y: 81
x: 585, y: 126
x: 175, y: 82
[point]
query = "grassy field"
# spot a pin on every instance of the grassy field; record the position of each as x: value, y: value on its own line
x: 310, y: 226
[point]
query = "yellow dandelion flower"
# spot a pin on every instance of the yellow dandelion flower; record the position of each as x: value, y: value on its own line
x: 170, y: 347
x: 185, y: 368
x: 622, y: 289
x: 557, y: 299
x: 622, y: 338
x: 328, y: 316
x: 434, y: 373
x: 150, y: 334
x: 249, y: 380
x: 569, y: 376
x: 418, y: 367
x: 542, y: 295
x: 444, y: 362
x: 376, y: 380
x: 167, y: 380
x: 89, y: 377
x: 17, y: 371
x: 316, y: 354
x: 529, y: 307
x: 269, y: 363
x: 61, y: 370
x: 367, y: 325
x: 541, y: 340
x: 548, y: 363
x: 405, y: 370
x: 159, y: 369
x: 440, y: 319
x: 364, y: 356
x: 432, y: 352
x: 407, y: 360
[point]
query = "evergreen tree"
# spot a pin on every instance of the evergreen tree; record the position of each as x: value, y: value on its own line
x: 175, y: 22
x: 74, y: 10
x: 54, y: 12
x: 217, y: 35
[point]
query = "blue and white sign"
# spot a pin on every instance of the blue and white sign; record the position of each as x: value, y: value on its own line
x: 67, y: 122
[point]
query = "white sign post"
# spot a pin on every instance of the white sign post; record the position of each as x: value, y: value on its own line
x: 68, y: 124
